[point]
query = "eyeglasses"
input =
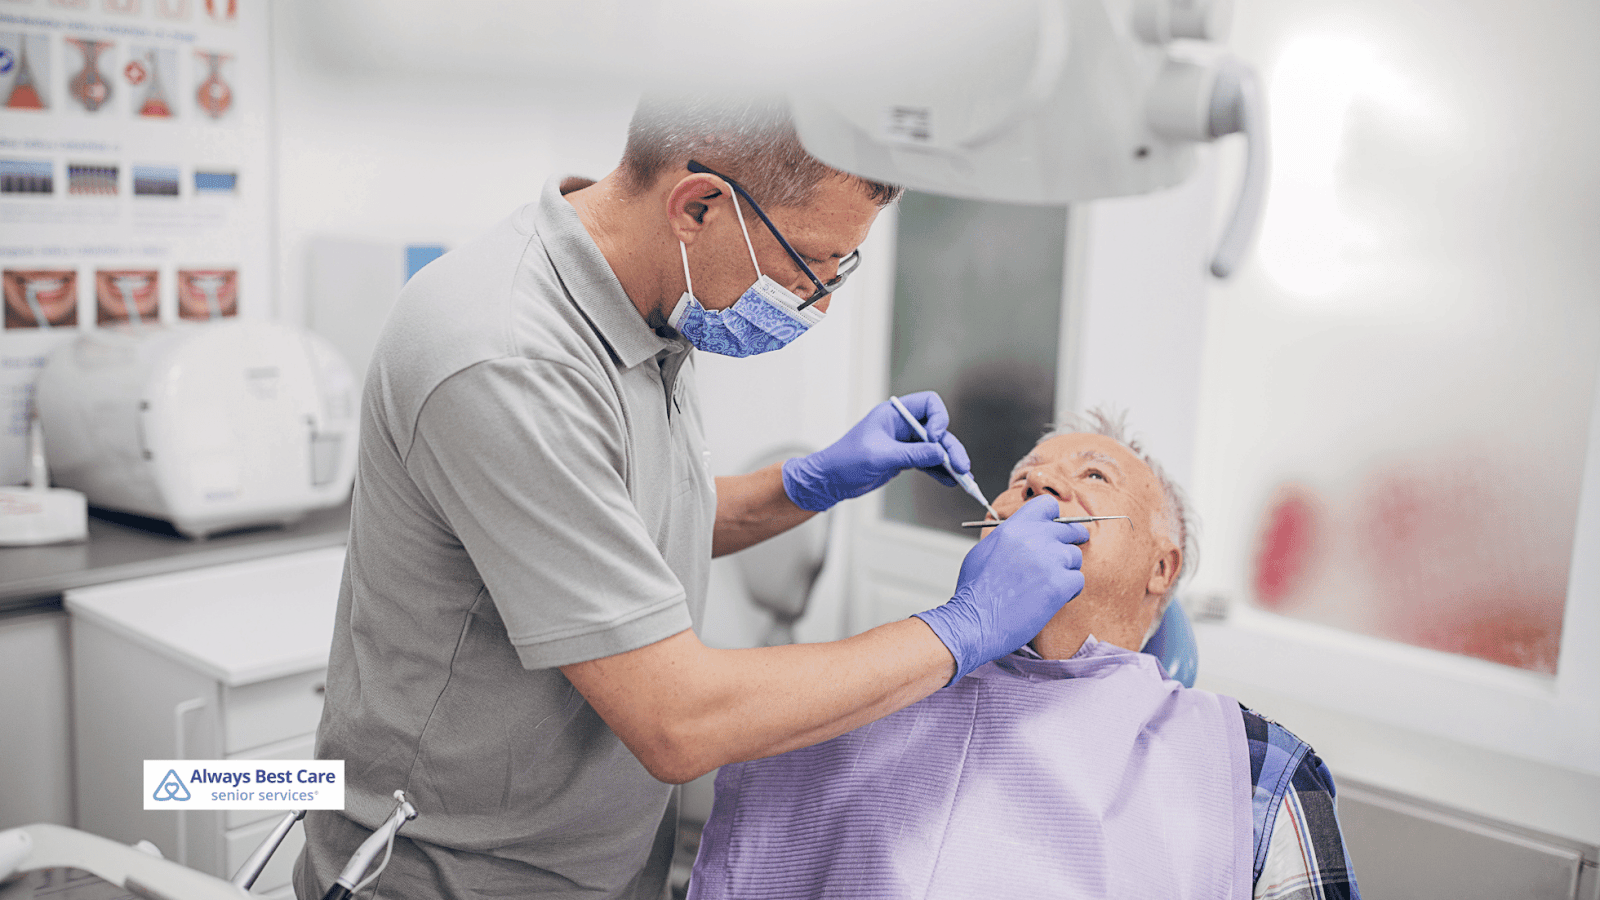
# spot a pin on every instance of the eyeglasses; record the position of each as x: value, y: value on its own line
x: 824, y: 288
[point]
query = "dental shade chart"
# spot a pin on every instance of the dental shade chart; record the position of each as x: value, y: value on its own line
x: 148, y: 74
x: 155, y: 181
x: 92, y: 180
x: 172, y: 9
x: 134, y: 186
x: 25, y: 70
x: 215, y: 183
x: 27, y: 176
x: 222, y: 12
x: 214, y: 95
x: 89, y: 86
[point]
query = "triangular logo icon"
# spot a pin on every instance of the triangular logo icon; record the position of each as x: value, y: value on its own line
x: 171, y: 787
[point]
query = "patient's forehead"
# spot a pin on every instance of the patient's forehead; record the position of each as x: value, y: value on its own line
x: 1073, y: 450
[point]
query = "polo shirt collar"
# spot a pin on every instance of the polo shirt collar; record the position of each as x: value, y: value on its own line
x: 592, y: 285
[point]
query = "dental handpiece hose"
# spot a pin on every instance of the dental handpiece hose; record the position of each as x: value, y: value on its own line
x: 965, y: 482
x: 381, y: 840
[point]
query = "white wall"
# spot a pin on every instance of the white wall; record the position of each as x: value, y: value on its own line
x: 1143, y: 294
x: 415, y: 159
x: 377, y: 159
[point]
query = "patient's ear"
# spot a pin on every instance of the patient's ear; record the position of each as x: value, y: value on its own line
x: 1164, y: 571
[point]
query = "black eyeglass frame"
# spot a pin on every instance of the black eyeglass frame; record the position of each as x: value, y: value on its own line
x: 824, y: 288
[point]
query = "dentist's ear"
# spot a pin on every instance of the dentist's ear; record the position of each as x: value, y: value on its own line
x: 689, y: 206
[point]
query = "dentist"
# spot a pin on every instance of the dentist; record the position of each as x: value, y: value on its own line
x: 534, y: 521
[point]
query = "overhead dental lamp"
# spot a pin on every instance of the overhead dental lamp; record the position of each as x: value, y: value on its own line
x: 1019, y: 101
x: 1075, y: 100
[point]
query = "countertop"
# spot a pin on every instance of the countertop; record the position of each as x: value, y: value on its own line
x: 279, y: 614
x: 122, y: 547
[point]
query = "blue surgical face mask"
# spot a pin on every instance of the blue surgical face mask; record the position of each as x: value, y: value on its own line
x: 767, y: 316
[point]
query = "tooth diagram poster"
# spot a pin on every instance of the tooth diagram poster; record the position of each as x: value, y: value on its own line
x: 134, y: 180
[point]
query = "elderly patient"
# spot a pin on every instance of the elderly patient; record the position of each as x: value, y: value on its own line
x: 1072, y: 768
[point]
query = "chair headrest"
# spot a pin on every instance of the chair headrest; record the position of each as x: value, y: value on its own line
x: 1173, y: 644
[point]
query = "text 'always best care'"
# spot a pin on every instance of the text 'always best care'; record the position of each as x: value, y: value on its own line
x: 243, y: 784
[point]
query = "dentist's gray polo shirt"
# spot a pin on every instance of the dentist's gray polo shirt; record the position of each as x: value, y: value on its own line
x: 533, y: 491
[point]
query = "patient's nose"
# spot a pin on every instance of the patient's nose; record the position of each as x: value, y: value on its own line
x: 1036, y: 483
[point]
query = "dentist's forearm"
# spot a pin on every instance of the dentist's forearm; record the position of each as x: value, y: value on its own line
x: 752, y: 508
x: 685, y: 709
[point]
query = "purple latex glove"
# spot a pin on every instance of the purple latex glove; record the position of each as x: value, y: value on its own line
x: 1010, y: 585
x: 874, y: 451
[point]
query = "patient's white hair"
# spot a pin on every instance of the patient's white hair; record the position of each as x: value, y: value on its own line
x: 1180, y: 530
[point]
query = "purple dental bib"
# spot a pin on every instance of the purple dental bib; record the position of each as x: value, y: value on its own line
x: 1087, y: 777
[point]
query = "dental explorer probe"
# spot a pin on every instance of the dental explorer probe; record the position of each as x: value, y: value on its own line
x: 965, y: 481
x: 1065, y: 520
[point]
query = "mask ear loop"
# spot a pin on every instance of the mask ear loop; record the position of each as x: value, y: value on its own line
x: 738, y: 214
x: 742, y: 227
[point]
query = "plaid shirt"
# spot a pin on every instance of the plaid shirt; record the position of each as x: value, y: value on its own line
x: 1299, y: 850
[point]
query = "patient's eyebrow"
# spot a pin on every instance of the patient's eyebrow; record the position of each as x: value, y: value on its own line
x: 1032, y: 459
x: 1096, y: 456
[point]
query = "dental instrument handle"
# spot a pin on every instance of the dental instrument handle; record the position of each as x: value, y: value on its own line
x: 245, y: 878
x: 349, y: 880
x: 1065, y: 520
x: 965, y: 481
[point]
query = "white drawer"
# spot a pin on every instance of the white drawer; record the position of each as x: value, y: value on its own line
x: 272, y: 710
x: 239, y: 843
x: 301, y: 747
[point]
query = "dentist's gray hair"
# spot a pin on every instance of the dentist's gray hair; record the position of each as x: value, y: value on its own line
x: 749, y: 139
x: 1180, y: 529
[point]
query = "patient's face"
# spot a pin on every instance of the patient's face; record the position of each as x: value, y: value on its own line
x: 1124, y: 561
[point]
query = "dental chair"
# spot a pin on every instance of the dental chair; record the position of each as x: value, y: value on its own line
x: 1173, y: 644
x: 44, y: 860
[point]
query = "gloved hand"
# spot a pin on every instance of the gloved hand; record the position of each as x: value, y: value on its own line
x: 874, y: 451
x: 1010, y: 585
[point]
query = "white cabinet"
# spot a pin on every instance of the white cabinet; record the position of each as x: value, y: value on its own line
x: 35, y: 734
x: 220, y: 663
